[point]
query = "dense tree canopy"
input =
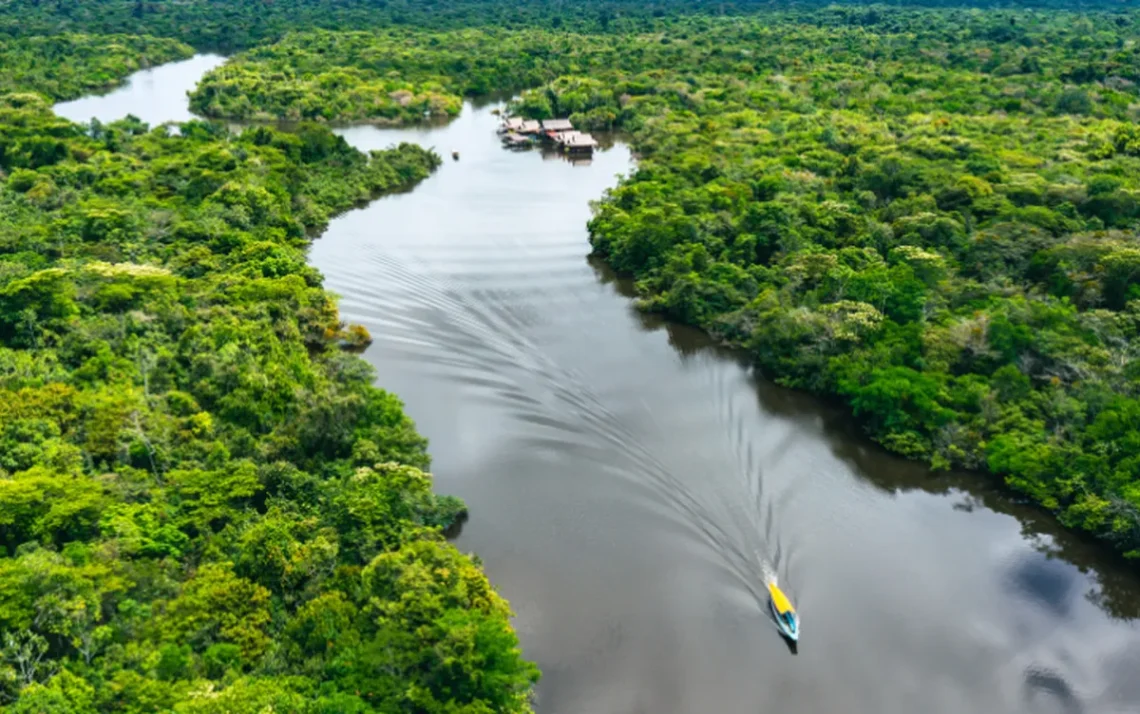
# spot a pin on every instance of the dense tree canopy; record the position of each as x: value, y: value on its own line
x: 228, y: 25
x: 69, y: 65
x: 943, y: 234
x: 205, y: 504
x: 929, y: 214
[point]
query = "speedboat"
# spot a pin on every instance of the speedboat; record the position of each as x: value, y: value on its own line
x: 786, y: 618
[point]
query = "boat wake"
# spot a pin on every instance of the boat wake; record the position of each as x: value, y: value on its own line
x: 477, y: 336
x: 481, y: 339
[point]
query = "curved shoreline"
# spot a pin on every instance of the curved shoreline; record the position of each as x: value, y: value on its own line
x: 369, y: 507
x: 597, y: 591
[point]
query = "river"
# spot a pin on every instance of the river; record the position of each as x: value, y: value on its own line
x: 630, y: 484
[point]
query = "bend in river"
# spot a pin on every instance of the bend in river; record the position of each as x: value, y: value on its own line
x: 154, y: 95
x: 631, y: 485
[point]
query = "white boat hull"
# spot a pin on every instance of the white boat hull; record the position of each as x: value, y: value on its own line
x: 791, y: 633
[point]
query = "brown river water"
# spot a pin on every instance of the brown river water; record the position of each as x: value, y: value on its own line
x: 631, y: 485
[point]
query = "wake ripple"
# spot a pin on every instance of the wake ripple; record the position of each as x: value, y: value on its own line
x: 478, y: 338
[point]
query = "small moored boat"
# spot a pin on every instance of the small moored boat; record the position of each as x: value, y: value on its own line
x: 786, y: 618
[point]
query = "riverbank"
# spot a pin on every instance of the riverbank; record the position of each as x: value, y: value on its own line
x: 70, y: 65
x: 629, y: 482
x: 220, y: 495
x: 594, y: 444
x: 944, y: 251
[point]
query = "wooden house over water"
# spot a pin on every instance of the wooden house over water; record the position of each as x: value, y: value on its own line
x: 575, y: 142
x: 518, y: 125
x: 511, y: 124
x: 515, y: 140
x: 519, y: 132
x: 552, y: 128
x: 556, y: 125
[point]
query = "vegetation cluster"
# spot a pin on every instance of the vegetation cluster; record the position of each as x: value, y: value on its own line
x: 928, y: 214
x: 229, y: 25
x: 205, y: 504
x: 67, y: 66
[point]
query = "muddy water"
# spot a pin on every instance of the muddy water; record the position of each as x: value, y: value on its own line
x: 630, y: 485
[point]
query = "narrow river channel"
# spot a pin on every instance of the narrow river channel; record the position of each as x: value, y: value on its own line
x: 630, y: 484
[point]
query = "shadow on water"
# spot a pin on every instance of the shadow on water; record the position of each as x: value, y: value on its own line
x: 455, y: 528
x: 1118, y: 583
x: 481, y: 101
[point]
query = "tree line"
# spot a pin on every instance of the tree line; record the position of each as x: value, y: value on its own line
x: 230, y: 25
x: 205, y: 504
x: 928, y: 214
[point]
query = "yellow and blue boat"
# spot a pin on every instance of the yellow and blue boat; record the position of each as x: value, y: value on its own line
x: 786, y: 618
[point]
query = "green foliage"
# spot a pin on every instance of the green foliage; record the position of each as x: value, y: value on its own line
x: 68, y: 65
x: 888, y: 62
x: 392, y: 76
x: 236, y: 24
x: 929, y: 214
x: 935, y: 221
x: 205, y: 504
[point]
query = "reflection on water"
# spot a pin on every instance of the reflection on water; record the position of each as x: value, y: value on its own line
x: 155, y: 95
x: 1113, y: 584
x: 631, y: 485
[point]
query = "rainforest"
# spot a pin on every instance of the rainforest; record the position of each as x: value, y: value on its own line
x: 927, y: 214
x: 205, y: 504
